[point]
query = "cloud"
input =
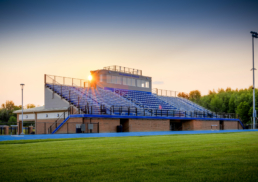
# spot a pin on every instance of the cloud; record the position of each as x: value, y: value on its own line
x: 158, y: 82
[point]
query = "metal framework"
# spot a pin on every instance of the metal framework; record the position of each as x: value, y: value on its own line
x: 67, y: 81
x: 123, y: 69
x: 161, y: 92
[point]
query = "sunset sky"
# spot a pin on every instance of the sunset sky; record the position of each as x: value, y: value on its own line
x: 182, y: 45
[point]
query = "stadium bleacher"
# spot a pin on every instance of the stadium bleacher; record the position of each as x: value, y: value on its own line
x: 120, y: 98
x: 91, y: 100
x: 84, y: 98
x: 183, y: 104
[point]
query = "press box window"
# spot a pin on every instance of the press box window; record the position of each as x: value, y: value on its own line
x: 119, y: 80
x: 101, y: 78
x: 109, y: 80
x: 114, y: 79
x: 133, y: 82
x: 129, y: 81
x: 139, y: 83
x: 147, y: 84
x: 124, y: 80
x: 143, y: 83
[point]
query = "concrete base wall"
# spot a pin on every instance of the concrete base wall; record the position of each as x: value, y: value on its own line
x: 43, y: 125
x: 70, y: 125
x: 205, y: 125
x: 148, y: 125
x: 106, y: 125
x: 208, y: 125
x: 228, y: 125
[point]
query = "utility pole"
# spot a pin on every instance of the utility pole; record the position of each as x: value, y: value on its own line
x: 254, y: 35
x: 22, y: 85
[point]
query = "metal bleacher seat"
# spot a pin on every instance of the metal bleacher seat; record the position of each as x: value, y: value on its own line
x: 118, y: 101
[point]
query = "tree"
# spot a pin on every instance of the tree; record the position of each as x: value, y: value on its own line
x: 9, y: 105
x: 216, y: 104
x: 30, y: 106
x: 211, y: 92
x: 17, y: 107
x: 7, y: 109
x: 228, y: 89
x: 195, y: 96
x: 221, y: 90
x: 243, y: 111
x: 225, y: 97
x: 182, y: 94
x: 4, y: 115
x: 12, y: 119
x: 232, y: 105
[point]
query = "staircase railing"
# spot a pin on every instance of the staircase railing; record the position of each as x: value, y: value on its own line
x: 55, y: 124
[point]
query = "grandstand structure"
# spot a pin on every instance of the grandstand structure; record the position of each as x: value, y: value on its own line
x: 118, y: 99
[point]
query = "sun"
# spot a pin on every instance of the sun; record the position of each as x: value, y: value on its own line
x: 89, y: 77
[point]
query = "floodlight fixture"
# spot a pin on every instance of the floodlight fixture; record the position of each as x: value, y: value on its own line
x: 254, y: 34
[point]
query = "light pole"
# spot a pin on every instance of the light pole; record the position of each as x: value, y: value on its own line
x: 254, y: 35
x: 22, y: 85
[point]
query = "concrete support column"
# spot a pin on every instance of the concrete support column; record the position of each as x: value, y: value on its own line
x: 30, y: 129
x: 6, y: 130
x: 20, y: 128
x: 36, y: 120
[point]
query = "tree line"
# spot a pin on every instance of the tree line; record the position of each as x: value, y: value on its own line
x: 7, y: 109
x: 239, y: 101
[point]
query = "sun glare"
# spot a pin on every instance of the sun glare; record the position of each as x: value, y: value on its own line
x: 89, y: 77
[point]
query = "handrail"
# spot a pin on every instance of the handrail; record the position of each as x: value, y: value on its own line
x: 65, y: 77
x: 161, y: 92
x: 168, y: 112
x: 55, y: 123
x: 123, y: 69
x: 64, y: 80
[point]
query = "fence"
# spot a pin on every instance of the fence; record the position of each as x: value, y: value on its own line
x: 67, y: 81
x: 134, y: 111
x: 161, y: 92
x: 47, y: 128
x: 7, y: 128
x: 123, y: 69
x: 250, y: 126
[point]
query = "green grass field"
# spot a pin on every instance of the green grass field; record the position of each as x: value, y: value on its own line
x: 205, y: 157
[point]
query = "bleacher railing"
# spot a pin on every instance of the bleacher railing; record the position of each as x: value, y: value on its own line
x: 50, y: 79
x: 123, y: 69
x: 161, y: 92
x: 134, y: 111
x: 67, y: 81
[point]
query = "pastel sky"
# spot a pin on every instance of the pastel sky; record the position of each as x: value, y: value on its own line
x: 183, y: 45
